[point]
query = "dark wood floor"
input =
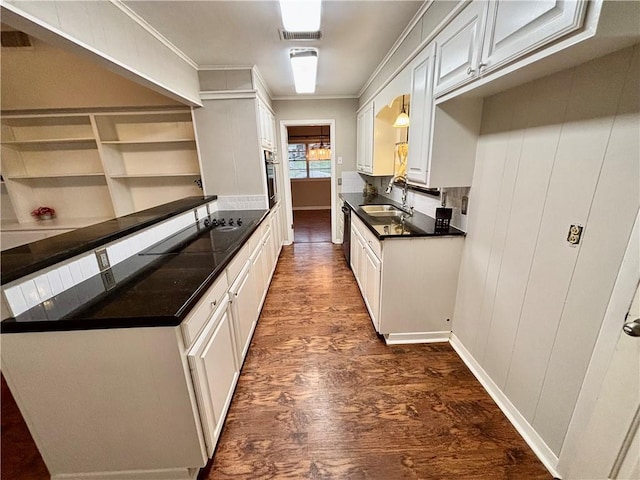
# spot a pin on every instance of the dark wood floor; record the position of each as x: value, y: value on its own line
x: 320, y: 396
x: 311, y: 226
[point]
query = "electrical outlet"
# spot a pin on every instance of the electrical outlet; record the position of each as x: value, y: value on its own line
x: 108, y: 279
x: 575, y: 234
x: 103, y: 259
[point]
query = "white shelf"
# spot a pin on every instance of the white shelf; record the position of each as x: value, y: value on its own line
x: 95, y: 164
x: 156, y: 175
x: 51, y: 141
x: 56, y: 175
x: 147, y: 142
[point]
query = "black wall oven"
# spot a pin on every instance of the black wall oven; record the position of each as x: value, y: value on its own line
x: 272, y: 181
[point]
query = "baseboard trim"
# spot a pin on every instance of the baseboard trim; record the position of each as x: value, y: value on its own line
x: 537, y: 444
x: 319, y: 207
x: 417, y: 337
x: 168, y: 474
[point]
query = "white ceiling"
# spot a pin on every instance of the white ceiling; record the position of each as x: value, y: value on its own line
x: 356, y: 37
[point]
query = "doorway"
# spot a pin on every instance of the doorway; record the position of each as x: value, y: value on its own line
x: 309, y: 179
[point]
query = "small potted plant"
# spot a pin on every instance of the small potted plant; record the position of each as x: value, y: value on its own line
x: 44, y: 213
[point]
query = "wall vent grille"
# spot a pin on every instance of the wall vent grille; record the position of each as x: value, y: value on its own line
x: 286, y: 35
x: 14, y: 39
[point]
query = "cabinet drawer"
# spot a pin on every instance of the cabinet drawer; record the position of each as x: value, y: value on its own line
x: 196, y: 320
x: 368, y: 236
x: 238, y: 262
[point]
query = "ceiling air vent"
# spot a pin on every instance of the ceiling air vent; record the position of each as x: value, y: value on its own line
x: 286, y: 35
x: 14, y: 39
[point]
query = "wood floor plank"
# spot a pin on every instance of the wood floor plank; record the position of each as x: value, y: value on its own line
x: 320, y: 395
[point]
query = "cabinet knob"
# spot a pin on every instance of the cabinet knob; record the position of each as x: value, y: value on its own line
x: 470, y: 71
x: 214, y: 303
x: 481, y: 66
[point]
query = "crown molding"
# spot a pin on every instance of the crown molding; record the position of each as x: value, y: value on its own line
x: 224, y: 67
x: 314, y: 97
x: 227, y: 94
x: 151, y: 30
x: 405, y: 33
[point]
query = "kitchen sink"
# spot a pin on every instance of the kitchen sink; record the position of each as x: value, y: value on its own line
x: 381, y: 210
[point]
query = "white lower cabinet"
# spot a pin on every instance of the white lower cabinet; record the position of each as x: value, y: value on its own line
x: 214, y: 371
x: 243, y: 298
x: 371, y: 274
x: 408, y: 284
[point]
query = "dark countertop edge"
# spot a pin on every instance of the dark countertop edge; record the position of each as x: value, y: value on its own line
x: 8, y: 326
x: 381, y: 200
x: 8, y: 277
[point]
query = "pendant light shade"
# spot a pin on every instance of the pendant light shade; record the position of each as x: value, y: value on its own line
x: 321, y: 151
x: 402, y: 121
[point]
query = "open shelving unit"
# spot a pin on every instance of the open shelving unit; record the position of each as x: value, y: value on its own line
x: 94, y: 165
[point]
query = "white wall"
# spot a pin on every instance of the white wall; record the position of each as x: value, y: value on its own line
x: 558, y: 151
x: 229, y: 148
x: 38, y: 78
x: 107, y: 33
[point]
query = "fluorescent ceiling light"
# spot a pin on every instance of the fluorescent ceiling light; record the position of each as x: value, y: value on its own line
x: 304, y: 63
x: 300, y: 15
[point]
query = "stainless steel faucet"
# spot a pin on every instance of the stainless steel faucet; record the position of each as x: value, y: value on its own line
x: 405, y: 208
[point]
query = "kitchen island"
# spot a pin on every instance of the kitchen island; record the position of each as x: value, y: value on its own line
x: 129, y: 372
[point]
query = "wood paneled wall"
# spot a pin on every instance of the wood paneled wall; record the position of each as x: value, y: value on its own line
x: 561, y: 150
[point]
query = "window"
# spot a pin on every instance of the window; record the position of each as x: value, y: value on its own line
x: 301, y: 166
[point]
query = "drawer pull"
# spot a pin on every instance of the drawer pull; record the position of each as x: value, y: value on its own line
x: 214, y: 303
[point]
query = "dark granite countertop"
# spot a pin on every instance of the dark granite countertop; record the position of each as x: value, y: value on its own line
x: 157, y: 287
x: 25, y: 259
x: 417, y: 225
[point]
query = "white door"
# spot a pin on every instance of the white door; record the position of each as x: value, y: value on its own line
x: 517, y: 28
x: 214, y: 371
x: 421, y: 116
x: 243, y: 299
x: 603, y: 438
x: 371, y: 273
x: 458, y: 48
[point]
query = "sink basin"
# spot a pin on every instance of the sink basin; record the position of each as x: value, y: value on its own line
x: 381, y: 210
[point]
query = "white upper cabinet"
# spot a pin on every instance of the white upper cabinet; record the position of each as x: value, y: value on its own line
x: 517, y: 28
x: 487, y: 35
x: 364, y: 139
x: 458, y: 48
x: 421, y: 116
x: 267, y: 127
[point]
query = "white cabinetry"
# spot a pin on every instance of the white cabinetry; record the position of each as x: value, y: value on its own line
x: 243, y: 297
x: 458, y: 48
x: 515, y: 29
x: 372, y: 268
x: 408, y: 284
x: 366, y: 267
x: 267, y: 127
x: 215, y: 372
x: 364, y: 140
x: 421, y: 116
x: 487, y: 35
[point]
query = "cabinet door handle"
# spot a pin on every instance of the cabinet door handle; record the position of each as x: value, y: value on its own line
x: 481, y: 66
x: 470, y: 71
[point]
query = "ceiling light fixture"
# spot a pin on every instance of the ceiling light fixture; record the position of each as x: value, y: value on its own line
x: 402, y: 121
x: 304, y: 63
x: 301, y: 15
